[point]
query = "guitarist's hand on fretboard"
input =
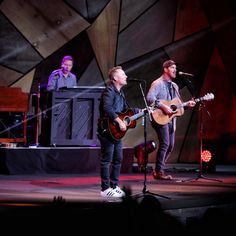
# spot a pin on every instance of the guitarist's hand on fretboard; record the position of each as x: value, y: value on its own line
x: 191, y: 103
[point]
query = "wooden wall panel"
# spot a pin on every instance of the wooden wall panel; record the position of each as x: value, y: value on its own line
x: 15, y: 51
x: 103, y: 36
x: 8, y: 76
x: 150, y: 31
x: 89, y: 9
x: 25, y: 82
x: 46, y: 26
x: 131, y: 10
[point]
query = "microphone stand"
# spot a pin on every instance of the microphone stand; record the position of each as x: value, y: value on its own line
x: 200, y: 175
x: 145, y: 190
x: 37, y: 118
x: 38, y: 113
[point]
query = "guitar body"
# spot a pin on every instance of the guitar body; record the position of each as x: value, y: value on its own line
x: 114, y: 129
x: 161, y: 118
x: 177, y: 109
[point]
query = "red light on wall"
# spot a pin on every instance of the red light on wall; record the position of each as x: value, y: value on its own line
x: 206, y: 156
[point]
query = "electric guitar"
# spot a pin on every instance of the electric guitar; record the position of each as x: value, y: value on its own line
x: 129, y: 118
x: 177, y: 108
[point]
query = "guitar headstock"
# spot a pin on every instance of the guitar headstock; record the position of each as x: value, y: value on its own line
x: 208, y: 96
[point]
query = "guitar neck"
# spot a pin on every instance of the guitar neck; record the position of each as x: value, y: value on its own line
x: 199, y: 99
x: 136, y: 116
x: 196, y: 100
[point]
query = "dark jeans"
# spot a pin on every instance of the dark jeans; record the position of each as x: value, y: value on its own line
x: 166, y: 137
x: 110, y: 162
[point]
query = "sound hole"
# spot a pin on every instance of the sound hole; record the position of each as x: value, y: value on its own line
x: 173, y: 108
x: 127, y: 120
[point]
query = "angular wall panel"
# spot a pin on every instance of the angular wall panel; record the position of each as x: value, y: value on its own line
x: 89, y: 9
x: 186, y: 24
x: 15, y: 51
x: 91, y: 76
x: 56, y: 22
x: 192, y: 55
x: 221, y: 110
x: 150, y: 31
x: 131, y: 10
x: 95, y: 7
x: 8, y: 76
x: 103, y: 36
x: 25, y: 82
x: 222, y: 16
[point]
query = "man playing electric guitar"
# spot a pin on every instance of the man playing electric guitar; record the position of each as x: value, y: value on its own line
x: 164, y: 89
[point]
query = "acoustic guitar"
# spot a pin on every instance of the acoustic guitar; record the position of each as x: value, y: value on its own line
x: 177, y: 108
x: 129, y: 118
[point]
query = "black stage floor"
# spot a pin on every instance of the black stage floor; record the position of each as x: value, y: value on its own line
x: 179, y: 204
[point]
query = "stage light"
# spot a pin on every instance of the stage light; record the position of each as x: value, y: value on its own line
x: 139, y: 153
x: 208, y: 162
x: 206, y: 156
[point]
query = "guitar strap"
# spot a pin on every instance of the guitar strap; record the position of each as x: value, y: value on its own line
x: 176, y: 91
x: 123, y: 96
x: 171, y: 90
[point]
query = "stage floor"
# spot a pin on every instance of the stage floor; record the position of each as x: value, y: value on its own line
x: 184, y: 200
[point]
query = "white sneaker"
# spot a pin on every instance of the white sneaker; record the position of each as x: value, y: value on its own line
x: 119, y: 191
x: 110, y: 192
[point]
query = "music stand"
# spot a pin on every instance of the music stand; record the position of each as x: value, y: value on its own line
x: 146, y: 112
x: 200, y: 175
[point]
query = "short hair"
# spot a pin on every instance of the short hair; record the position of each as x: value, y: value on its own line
x: 112, y: 71
x: 67, y: 58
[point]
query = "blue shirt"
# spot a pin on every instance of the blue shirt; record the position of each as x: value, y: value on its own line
x: 57, y: 80
x: 159, y: 91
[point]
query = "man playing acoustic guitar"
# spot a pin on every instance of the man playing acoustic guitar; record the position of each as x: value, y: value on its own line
x: 112, y: 103
x: 164, y: 118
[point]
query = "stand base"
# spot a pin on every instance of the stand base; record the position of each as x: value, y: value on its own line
x: 145, y: 191
x: 200, y: 176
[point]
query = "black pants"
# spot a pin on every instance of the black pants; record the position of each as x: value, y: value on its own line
x: 110, y: 162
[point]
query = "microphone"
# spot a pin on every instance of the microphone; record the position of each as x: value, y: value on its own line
x: 137, y: 80
x: 184, y: 73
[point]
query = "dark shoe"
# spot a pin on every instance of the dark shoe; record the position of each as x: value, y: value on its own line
x: 161, y: 175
